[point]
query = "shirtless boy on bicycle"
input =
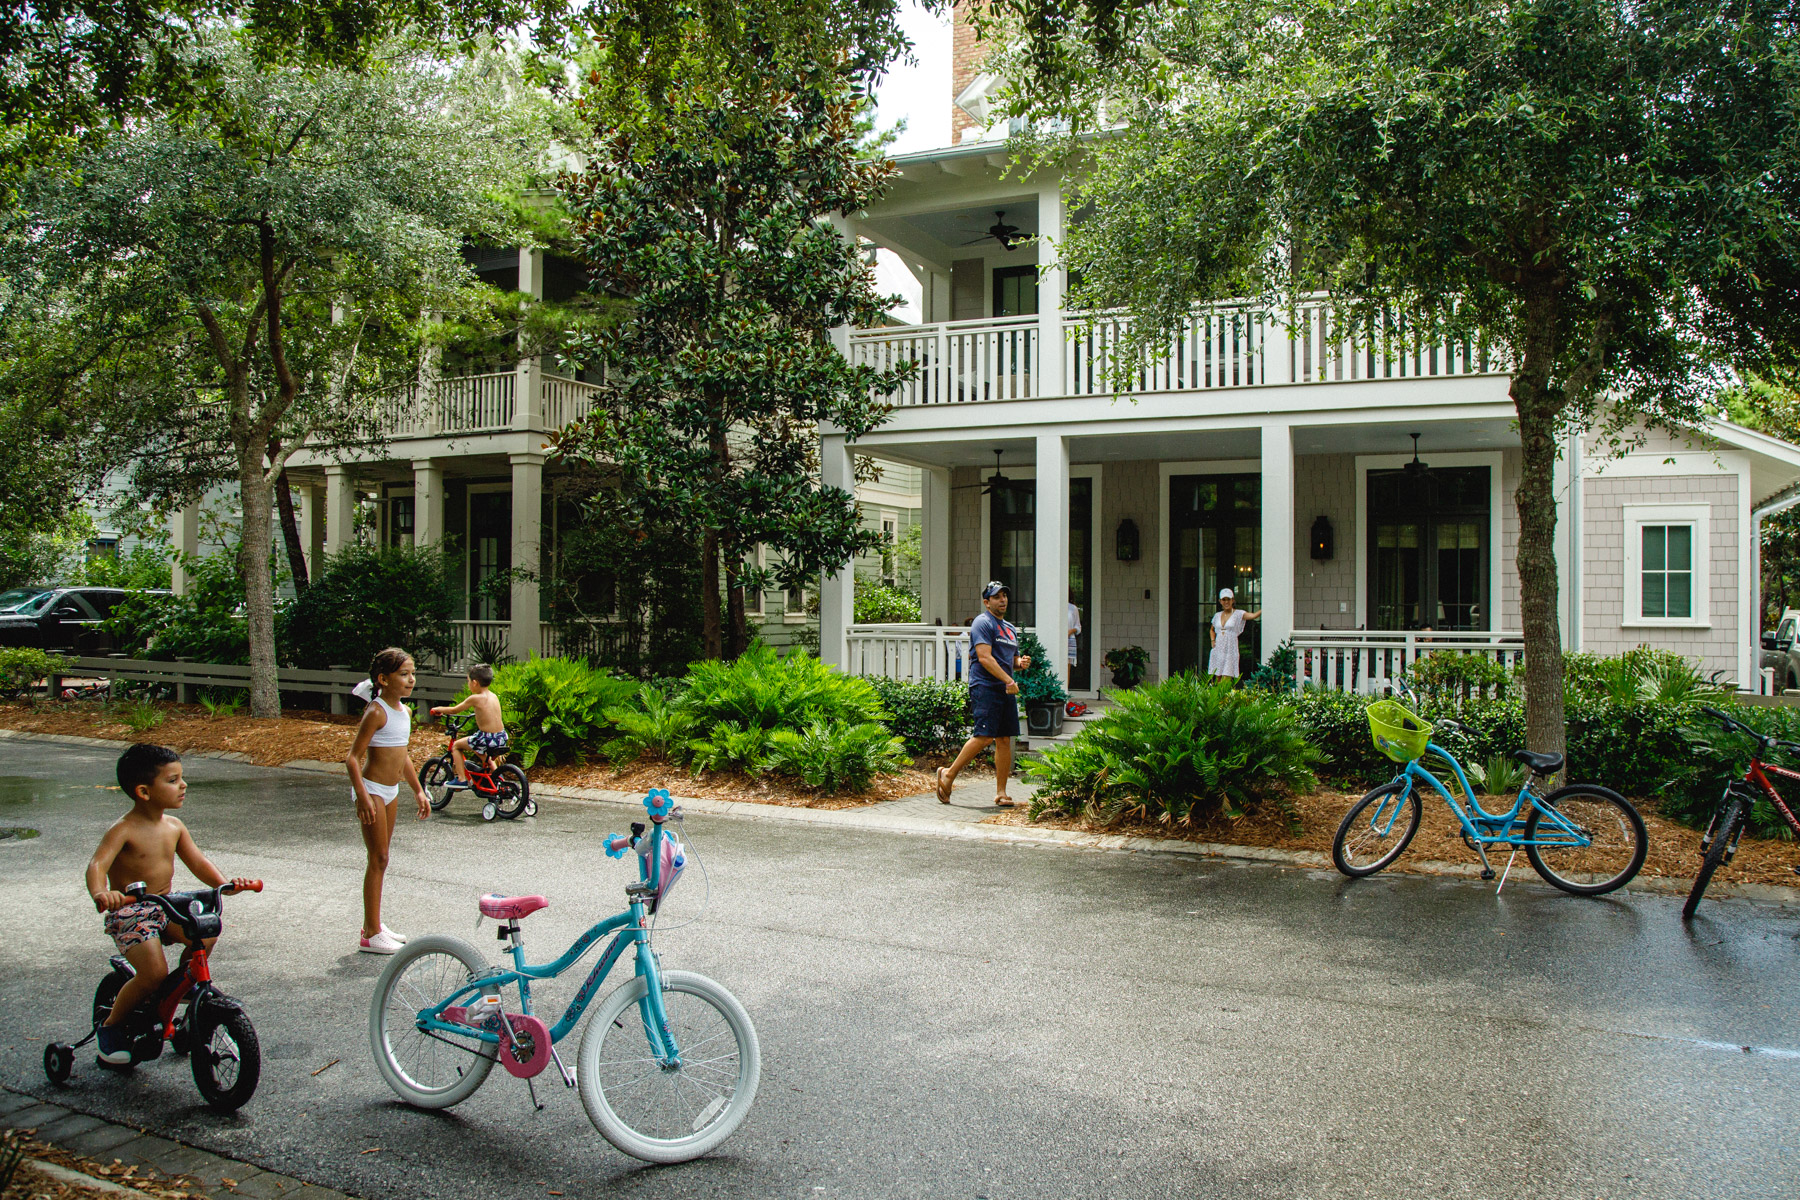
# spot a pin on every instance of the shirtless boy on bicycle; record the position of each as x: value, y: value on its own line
x: 140, y: 848
x: 490, y: 736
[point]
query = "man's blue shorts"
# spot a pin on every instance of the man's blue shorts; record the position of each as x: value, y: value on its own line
x: 996, y: 713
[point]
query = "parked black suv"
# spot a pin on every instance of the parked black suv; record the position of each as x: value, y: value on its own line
x: 63, y: 619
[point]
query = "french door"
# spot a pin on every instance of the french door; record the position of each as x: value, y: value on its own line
x: 1215, y: 534
x: 1428, y: 549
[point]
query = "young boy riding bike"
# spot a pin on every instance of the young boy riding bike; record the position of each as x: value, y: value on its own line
x: 490, y: 736
x: 140, y: 848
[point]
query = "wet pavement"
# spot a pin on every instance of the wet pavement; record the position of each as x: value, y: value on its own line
x: 958, y: 1018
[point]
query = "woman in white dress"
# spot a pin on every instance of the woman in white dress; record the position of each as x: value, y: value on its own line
x: 1227, y: 623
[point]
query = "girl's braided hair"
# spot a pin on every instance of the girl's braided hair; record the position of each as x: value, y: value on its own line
x: 384, y: 663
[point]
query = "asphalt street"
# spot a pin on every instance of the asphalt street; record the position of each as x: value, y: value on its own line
x: 964, y: 1019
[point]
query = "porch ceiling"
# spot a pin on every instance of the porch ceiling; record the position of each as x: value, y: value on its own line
x: 941, y: 236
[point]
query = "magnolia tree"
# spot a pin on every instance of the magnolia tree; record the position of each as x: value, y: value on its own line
x: 254, y: 280
x: 1606, y: 193
x: 708, y: 211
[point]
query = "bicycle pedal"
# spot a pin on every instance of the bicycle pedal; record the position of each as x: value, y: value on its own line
x: 1487, y: 872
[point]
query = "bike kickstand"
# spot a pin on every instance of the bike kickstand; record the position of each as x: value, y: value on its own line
x: 1487, y: 868
x: 568, y: 1076
x: 1508, y: 871
x: 535, y: 1102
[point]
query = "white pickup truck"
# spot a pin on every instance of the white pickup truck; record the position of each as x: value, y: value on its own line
x: 1781, y: 653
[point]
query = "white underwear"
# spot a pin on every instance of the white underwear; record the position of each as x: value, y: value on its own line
x: 385, y: 791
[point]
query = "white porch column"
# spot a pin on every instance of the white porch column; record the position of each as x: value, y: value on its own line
x: 1278, y: 538
x: 528, y: 376
x: 312, y: 527
x: 526, y: 638
x: 934, y: 547
x: 1563, y: 484
x: 340, y: 508
x: 184, y: 531
x: 428, y: 502
x: 837, y: 591
x: 1053, y: 550
x: 1050, y: 291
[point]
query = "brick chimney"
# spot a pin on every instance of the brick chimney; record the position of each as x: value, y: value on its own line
x: 966, y: 55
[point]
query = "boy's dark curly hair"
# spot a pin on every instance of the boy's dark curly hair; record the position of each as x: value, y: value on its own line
x: 139, y: 766
x: 483, y: 674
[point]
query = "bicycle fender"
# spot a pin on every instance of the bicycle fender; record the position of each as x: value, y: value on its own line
x: 217, y: 1003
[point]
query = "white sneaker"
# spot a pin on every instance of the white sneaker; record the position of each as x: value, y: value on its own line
x: 382, y: 943
x: 398, y: 937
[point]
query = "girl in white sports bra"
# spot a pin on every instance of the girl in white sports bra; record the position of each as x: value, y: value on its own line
x: 378, y: 763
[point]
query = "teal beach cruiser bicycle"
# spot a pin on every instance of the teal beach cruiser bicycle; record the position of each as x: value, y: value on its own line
x: 669, y: 1064
x: 1585, y: 839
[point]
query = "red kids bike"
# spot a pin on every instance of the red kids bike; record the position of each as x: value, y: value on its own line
x: 213, y: 1030
x: 1721, y: 839
x: 502, y: 786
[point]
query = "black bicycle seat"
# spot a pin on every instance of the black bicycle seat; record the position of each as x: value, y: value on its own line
x: 1543, y: 764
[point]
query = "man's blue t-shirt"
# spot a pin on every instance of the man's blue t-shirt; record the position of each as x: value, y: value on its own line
x: 1003, y: 637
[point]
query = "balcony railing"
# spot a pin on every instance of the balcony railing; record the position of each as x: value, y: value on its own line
x: 486, y: 404
x: 1369, y: 662
x: 909, y: 652
x: 1218, y: 346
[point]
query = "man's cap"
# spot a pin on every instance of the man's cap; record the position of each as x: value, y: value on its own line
x: 994, y: 588
x: 1225, y: 594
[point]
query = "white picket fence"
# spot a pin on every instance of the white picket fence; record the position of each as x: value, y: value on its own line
x: 1368, y: 662
x: 907, y: 652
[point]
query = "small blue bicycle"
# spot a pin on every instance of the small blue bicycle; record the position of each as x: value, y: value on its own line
x: 666, y: 1087
x: 1585, y: 839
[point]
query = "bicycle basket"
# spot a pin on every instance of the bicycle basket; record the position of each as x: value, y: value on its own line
x: 674, y: 860
x: 1399, y: 734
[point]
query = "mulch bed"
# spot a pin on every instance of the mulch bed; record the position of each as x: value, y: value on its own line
x: 151, y: 1183
x: 1674, y: 848
x: 321, y: 736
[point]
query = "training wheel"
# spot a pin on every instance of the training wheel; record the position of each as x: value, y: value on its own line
x: 489, y: 811
x: 531, y: 808
x: 59, y: 1060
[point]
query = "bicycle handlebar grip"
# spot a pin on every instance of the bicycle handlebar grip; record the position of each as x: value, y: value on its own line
x: 255, y: 885
x: 615, y: 845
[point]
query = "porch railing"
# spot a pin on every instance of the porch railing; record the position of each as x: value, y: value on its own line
x: 565, y: 400
x: 958, y: 361
x: 484, y: 404
x: 466, y: 637
x: 1367, y: 662
x: 1226, y: 345
x: 908, y: 652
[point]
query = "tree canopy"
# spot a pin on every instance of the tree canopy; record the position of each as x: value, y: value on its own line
x: 1605, y: 191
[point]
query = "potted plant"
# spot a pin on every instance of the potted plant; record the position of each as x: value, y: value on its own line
x: 1040, y: 691
x: 1128, y: 665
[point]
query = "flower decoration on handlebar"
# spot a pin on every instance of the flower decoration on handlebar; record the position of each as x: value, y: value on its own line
x: 658, y: 803
x: 616, y: 845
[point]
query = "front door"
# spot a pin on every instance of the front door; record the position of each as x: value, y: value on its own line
x: 1215, y: 532
x: 1428, y: 549
x: 490, y: 553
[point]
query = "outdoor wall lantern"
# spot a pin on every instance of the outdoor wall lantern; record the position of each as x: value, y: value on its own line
x: 1321, y: 538
x: 1125, y: 545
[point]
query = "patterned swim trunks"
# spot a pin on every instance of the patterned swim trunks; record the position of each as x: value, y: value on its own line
x: 139, y: 921
x: 489, y: 744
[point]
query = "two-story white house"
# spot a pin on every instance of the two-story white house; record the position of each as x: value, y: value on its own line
x: 1253, y: 452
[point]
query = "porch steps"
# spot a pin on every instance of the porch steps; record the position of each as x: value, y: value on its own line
x: 1071, y: 726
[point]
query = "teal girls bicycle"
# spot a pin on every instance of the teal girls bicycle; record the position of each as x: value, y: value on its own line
x: 1585, y: 839
x: 668, y: 1066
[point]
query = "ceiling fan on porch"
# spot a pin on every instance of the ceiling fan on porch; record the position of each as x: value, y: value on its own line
x: 1002, y: 231
x: 997, y: 482
x: 1417, y: 473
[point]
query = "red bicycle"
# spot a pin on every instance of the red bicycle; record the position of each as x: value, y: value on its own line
x: 187, y: 1011
x: 502, y: 786
x: 1721, y: 838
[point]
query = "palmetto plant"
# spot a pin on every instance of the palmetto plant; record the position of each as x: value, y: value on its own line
x: 651, y: 724
x: 761, y: 690
x: 833, y: 756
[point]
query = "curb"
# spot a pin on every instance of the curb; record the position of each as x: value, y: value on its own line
x: 871, y: 818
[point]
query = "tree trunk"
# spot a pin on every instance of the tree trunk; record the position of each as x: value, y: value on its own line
x: 290, y: 533
x: 737, y: 620
x: 259, y: 586
x: 712, y: 628
x: 1538, y: 406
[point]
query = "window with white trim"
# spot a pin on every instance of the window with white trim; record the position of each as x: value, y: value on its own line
x: 1666, y: 564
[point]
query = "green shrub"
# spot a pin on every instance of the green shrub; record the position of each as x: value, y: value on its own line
x: 556, y: 708
x: 835, y: 755
x: 1277, y: 674
x: 1037, y: 683
x: 368, y: 598
x: 222, y: 702
x: 22, y: 666
x: 730, y: 747
x: 885, y: 606
x: 927, y: 716
x: 1451, y: 675
x: 1497, y: 774
x: 140, y: 716
x: 650, y: 724
x: 762, y: 690
x: 1182, y: 750
x: 1716, y: 757
x: 206, y: 623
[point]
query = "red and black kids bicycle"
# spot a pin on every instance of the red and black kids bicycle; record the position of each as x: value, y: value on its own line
x: 502, y: 786
x: 187, y: 1011
x: 1728, y: 822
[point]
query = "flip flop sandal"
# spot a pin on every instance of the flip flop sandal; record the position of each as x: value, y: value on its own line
x: 1005, y: 802
x: 943, y: 793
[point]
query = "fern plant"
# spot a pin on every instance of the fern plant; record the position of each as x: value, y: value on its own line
x: 1183, y: 750
x: 834, y: 756
x: 1497, y: 775
x: 555, y: 708
x: 762, y: 690
x: 730, y: 747
x: 653, y: 724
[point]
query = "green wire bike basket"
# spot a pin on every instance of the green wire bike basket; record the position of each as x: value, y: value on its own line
x: 1399, y: 734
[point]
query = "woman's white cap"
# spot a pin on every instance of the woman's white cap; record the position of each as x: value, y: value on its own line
x: 1225, y: 594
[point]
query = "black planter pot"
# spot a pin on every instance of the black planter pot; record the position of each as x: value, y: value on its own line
x: 1127, y: 677
x: 1044, y: 718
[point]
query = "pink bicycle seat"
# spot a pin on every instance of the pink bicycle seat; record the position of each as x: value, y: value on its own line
x: 511, y: 908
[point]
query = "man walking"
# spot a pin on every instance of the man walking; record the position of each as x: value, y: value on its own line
x: 992, y: 694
